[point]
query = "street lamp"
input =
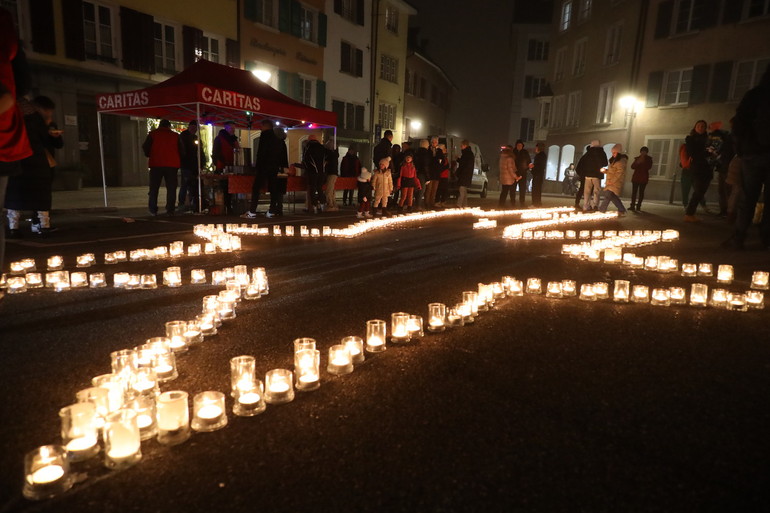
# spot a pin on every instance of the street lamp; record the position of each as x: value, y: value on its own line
x: 262, y: 74
x: 632, y: 106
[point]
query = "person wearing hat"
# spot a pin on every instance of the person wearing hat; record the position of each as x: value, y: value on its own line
x: 193, y: 161
x: 164, y: 149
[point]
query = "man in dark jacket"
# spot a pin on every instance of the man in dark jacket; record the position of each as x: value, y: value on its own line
x: 313, y: 163
x: 464, y: 173
x: 164, y: 149
x: 538, y: 174
x: 434, y: 174
x: 382, y: 150
x: 589, y: 167
x: 523, y: 164
x: 271, y: 159
x: 223, y: 151
x: 423, y: 163
x: 194, y: 159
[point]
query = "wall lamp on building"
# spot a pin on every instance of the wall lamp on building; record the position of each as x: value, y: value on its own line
x: 415, y: 124
x: 262, y: 74
x: 632, y: 107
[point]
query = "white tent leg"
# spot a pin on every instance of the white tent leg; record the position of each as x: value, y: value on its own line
x: 198, y: 156
x: 101, y: 155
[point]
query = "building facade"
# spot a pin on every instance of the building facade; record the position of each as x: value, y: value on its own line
x: 77, y: 49
x: 428, y: 96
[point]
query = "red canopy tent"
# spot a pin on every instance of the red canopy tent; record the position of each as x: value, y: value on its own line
x: 211, y: 93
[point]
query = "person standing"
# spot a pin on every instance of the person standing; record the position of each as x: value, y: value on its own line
x: 331, y: 163
x: 641, y: 166
x: 349, y: 168
x: 164, y: 149
x: 364, y: 182
x: 508, y: 176
x: 538, y: 174
x: 407, y: 181
x: 696, y: 145
x: 720, y: 156
x: 271, y: 158
x: 464, y: 173
x: 383, y: 148
x: 442, y: 195
x: 397, y: 158
x: 423, y: 161
x: 223, y: 156
x: 434, y: 173
x: 193, y: 161
x: 751, y: 129
x: 313, y: 163
x: 616, y: 176
x: 31, y: 190
x: 382, y: 182
x: 523, y: 165
x: 591, y: 165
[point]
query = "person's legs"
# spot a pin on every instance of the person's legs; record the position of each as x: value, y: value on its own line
x: 4, y: 166
x: 615, y: 199
x: 724, y: 191
x: 700, y: 187
x: 634, y: 192
x: 256, y: 190
x: 755, y: 172
x: 409, y: 196
x: 504, y: 190
x: 443, y: 188
x: 522, y: 185
x: 170, y: 176
x: 331, y: 195
x: 462, y: 196
x: 580, y: 193
x: 589, y: 187
x: 156, y: 177
x: 686, y: 183
x: 185, y: 187
x: 537, y: 190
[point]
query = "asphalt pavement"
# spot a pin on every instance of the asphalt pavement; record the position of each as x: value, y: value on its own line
x: 540, y: 405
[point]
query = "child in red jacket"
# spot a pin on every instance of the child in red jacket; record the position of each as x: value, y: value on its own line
x: 407, y: 182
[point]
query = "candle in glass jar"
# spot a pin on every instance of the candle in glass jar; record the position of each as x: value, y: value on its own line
x: 677, y: 295
x: 660, y: 297
x: 55, y: 262
x: 736, y: 302
x: 46, y: 472
x: 601, y: 290
x: 640, y: 294
x: 194, y: 250
x: 279, y: 386
x: 78, y: 279
x: 249, y: 401
x: 209, y: 411
x: 122, y: 440
x: 173, y: 417
x: 534, y: 286
x: 414, y: 326
x: 705, y: 269
x: 759, y: 280
x: 398, y: 327
x: 621, y: 291
x: 355, y: 347
x: 376, y: 332
x: 698, y: 294
x: 755, y: 299
x: 306, y: 369
x: 436, y: 317
x: 689, y: 269
x: 725, y: 274
x: 340, y: 361
x: 568, y: 288
x: 587, y: 292
x: 719, y: 298
x: 553, y: 289
x: 79, y: 431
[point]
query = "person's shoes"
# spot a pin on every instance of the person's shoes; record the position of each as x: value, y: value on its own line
x: 249, y: 215
x: 631, y: 208
x: 332, y: 209
x: 733, y: 243
x: 622, y: 214
x: 153, y: 214
x: 40, y: 230
x: 386, y: 212
x: 14, y: 233
x: 691, y: 219
x: 368, y: 214
x: 170, y: 214
x: 360, y: 215
x: 270, y: 215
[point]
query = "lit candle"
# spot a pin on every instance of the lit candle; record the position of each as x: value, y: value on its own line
x: 84, y: 260
x: 705, y: 269
x: 725, y: 274
x: 737, y: 302
x: 122, y: 440
x: 193, y: 334
x: 194, y: 250
x: 340, y: 361
x: 601, y: 290
x: 55, y: 262
x: 568, y: 288
x: 553, y: 289
x: 651, y: 263
x: 660, y: 297
x: 209, y: 411
x: 78, y: 279
x: 306, y: 369
x: 689, y: 269
x: 677, y: 295
x: 207, y: 324
x: 414, y: 326
x: 46, y: 472
x: 755, y: 299
x: 210, y: 248
x: 176, y: 249
x: 613, y: 255
x: 399, y: 328
x: 698, y: 294
x: 164, y: 365
x: 640, y: 294
x: 79, y: 431
x: 278, y: 386
x: 17, y: 268
x: 587, y: 292
x: 249, y: 400
x: 175, y: 332
x: 534, y: 286
x: 355, y: 347
x: 454, y: 318
x: 376, y: 331
x: 144, y: 406
x: 243, y: 373
x: 436, y: 317
x: 172, y: 277
x: 719, y: 298
x: 759, y: 280
x: 173, y: 417
x: 16, y: 284
x: 290, y: 231
x: 516, y: 288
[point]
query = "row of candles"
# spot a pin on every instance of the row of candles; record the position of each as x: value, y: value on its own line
x: 125, y: 407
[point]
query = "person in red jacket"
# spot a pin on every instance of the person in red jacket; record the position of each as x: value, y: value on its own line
x: 641, y: 166
x: 164, y: 148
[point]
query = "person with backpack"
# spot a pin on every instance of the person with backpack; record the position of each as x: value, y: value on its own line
x: 696, y: 145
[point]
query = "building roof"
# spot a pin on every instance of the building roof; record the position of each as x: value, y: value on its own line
x: 435, y: 66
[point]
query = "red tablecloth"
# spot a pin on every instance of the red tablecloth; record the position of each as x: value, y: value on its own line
x: 242, y: 184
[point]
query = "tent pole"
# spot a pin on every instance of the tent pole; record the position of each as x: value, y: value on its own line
x: 198, y: 156
x: 101, y: 155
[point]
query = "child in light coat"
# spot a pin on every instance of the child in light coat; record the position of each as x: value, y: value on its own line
x: 382, y: 182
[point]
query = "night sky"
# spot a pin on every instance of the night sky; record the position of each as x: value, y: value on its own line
x: 471, y: 42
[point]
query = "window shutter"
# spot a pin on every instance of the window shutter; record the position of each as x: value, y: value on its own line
x: 297, y: 87
x: 523, y: 129
x: 654, y: 85
x: 192, y: 39
x: 296, y: 19
x: 338, y: 108
x: 284, y: 16
x: 322, y: 22
x: 708, y: 12
x: 345, y: 64
x: 283, y: 82
x: 72, y: 18
x: 663, y: 21
x: 138, y: 52
x: 360, y: 12
x: 250, y: 9
x: 233, y: 53
x: 42, y: 26
x: 320, y: 94
x: 359, y: 117
x: 720, y: 81
x: 338, y: 6
x: 733, y: 10
x: 359, y: 70
x: 700, y: 84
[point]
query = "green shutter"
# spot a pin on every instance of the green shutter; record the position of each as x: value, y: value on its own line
x: 720, y: 81
x: 320, y: 94
x: 284, y: 16
x: 296, y: 87
x: 322, y: 29
x: 654, y: 86
x: 663, y: 20
x: 699, y: 84
x: 283, y: 82
x: 296, y: 18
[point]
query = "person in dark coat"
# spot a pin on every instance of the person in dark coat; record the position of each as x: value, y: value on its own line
x: 464, y: 173
x: 423, y: 163
x: 641, y: 166
x: 271, y: 159
x: 720, y: 156
x: 396, y: 161
x: 383, y: 148
x: 697, y: 148
x: 31, y: 190
x: 313, y: 163
x: 538, y: 174
x: 590, y: 168
x: 223, y: 151
x: 193, y: 161
x: 523, y: 165
x: 349, y: 167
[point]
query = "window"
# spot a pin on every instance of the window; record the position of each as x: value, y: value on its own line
x: 686, y: 16
x: 537, y: 50
x: 676, y: 87
x: 579, y: 57
x: 387, y: 117
x: 348, y: 9
x: 605, y: 104
x: 97, y: 32
x: 612, y: 44
x: 557, y: 118
x: 561, y: 59
x: 566, y: 15
x: 165, y: 49
x: 757, y: 8
x: 545, y: 114
x: 573, y: 108
x: 351, y: 59
x: 533, y: 86
x: 307, y: 24
x: 349, y: 115
x: 585, y: 10
x: 747, y: 75
x: 423, y: 88
x: 389, y: 68
x: 265, y: 12
x: 527, y: 132
x: 305, y: 89
x: 665, y: 156
x: 391, y: 19
x: 209, y: 49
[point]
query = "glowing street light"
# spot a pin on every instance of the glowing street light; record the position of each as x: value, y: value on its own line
x: 262, y: 74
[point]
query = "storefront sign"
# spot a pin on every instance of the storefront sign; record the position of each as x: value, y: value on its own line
x: 267, y: 47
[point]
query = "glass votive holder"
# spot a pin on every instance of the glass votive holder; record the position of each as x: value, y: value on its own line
x: 160, y: 252
x: 97, y: 280
x: 664, y: 264
x: 207, y: 324
x: 146, y: 415
x: 16, y: 284
x: 55, y: 263
x: 471, y: 298
x: 303, y: 231
x: 466, y: 312
x: 234, y: 287
x: 97, y: 396
x: 115, y: 389
x: 587, y: 292
x: 376, y: 336
x: 109, y: 258
x: 534, y: 286
x: 122, y: 440
x: 120, y: 280
x: 17, y: 268
x: 601, y: 290
x: 677, y: 295
x: 259, y: 277
x: 719, y: 298
x: 279, y: 386
x: 568, y: 288
x: 218, y: 277
x: 303, y: 343
x: 62, y: 281
x: 149, y: 281
x: 193, y: 333
x: 315, y: 232
x: 46, y: 472
x: 689, y: 270
x: 251, y: 292
x: 209, y: 248
x: 454, y: 318
x: 355, y: 347
x: 173, y: 417
x: 175, y: 332
x: 307, y: 373
x: 755, y: 299
x: 120, y: 256
x: 123, y: 362
x: 243, y: 373
x: 415, y: 327
x: 725, y: 274
x: 137, y: 255
x: 553, y: 290
x: 79, y: 431
x: 289, y: 231
x: 699, y: 294
x: 613, y: 255
x: 172, y: 277
x: 250, y: 401
x: 759, y: 280
x: 34, y: 280
x: 516, y: 288
x: 736, y: 302
x: 78, y: 279
x: 621, y: 291
x: 85, y: 260
x: 399, y: 331
x: 660, y: 297
x: 144, y: 381
x: 226, y: 308
x: 176, y: 249
x: 134, y: 282
x: 640, y: 294
x: 209, y: 411
x: 194, y: 250
x: 436, y: 317
x: 164, y: 365
x: 340, y: 360
x: 197, y: 276
x: 705, y: 269
x: 651, y: 263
